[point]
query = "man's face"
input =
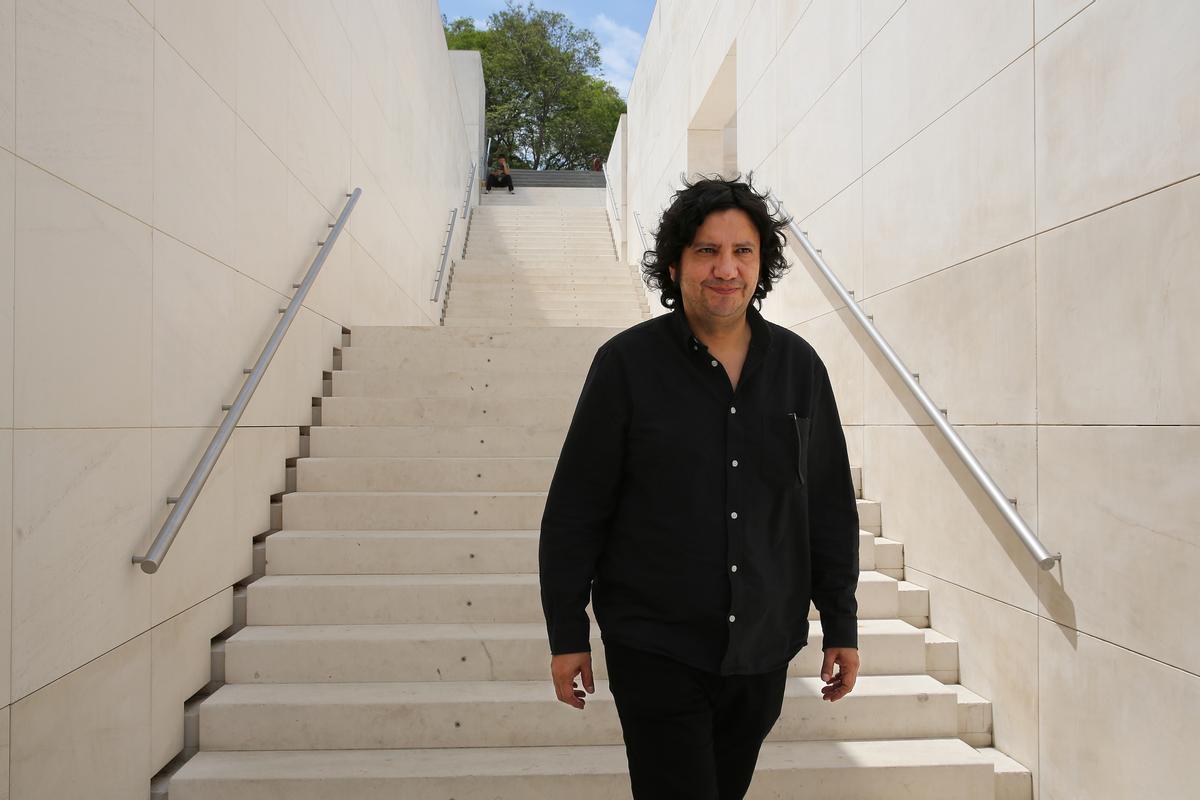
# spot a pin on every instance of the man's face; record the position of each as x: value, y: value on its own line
x: 718, y: 271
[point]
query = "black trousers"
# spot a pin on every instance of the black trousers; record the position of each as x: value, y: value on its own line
x: 499, y: 180
x: 690, y: 734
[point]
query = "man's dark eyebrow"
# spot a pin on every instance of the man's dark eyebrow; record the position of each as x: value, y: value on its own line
x: 746, y: 243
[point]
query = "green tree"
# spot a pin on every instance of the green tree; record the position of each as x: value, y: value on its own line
x: 546, y: 107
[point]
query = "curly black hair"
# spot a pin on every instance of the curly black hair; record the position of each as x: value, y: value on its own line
x: 690, y: 206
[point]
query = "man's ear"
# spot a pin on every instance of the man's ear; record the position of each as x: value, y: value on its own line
x: 671, y: 272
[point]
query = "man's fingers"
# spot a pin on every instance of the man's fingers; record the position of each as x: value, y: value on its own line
x: 568, y: 694
x: 827, y: 666
x: 586, y: 674
x: 848, y: 676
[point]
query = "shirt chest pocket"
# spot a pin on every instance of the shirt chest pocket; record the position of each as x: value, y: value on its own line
x: 785, y: 449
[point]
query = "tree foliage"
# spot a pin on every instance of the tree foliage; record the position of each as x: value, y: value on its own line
x: 546, y: 107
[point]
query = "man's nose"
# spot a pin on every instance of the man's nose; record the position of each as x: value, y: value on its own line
x: 725, y: 267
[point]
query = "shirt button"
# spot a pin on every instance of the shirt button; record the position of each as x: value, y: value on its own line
x: 714, y: 363
x: 733, y: 515
x: 734, y: 462
x: 732, y: 618
x: 733, y: 568
x: 733, y: 409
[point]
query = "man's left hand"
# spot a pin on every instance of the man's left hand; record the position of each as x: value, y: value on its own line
x: 837, y: 687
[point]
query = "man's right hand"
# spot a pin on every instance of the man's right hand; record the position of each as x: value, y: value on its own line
x: 564, y: 668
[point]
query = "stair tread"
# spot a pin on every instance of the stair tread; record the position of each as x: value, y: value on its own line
x: 441, y: 535
x: 424, y: 631
x: 1002, y: 762
x: 484, y: 493
x: 495, y: 691
x: 569, y: 760
x: 404, y: 459
x: 427, y: 579
x: 430, y: 532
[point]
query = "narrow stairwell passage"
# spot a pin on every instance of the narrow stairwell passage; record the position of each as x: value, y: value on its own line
x: 396, y: 648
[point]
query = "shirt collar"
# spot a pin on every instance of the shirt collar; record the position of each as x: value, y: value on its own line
x: 760, y: 331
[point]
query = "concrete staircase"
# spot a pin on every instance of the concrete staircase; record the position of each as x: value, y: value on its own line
x: 538, y: 265
x: 395, y: 647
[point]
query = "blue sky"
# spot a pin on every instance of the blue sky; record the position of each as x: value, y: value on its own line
x: 619, y: 25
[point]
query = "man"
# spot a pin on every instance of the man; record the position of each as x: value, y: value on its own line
x: 702, y: 497
x: 499, y: 176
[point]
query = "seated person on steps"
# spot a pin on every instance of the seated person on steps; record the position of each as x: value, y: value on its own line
x: 499, y: 176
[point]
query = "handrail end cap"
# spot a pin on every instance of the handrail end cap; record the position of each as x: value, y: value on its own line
x: 149, y: 567
x: 1048, y: 562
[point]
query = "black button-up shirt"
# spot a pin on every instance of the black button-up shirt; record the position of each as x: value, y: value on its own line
x: 702, y: 520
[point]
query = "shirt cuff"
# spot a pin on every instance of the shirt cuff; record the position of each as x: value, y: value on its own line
x: 839, y: 632
x: 573, y: 640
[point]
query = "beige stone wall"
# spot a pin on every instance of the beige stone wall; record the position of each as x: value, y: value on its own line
x: 615, y: 202
x: 166, y: 167
x: 1013, y: 191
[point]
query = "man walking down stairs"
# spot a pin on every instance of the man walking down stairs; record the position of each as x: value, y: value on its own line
x: 395, y: 647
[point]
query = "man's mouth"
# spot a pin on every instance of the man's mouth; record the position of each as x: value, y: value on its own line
x: 724, y: 289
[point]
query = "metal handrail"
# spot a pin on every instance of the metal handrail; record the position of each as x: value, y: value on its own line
x: 441, y: 271
x: 183, y: 504
x: 608, y: 185
x: 470, y: 188
x: 641, y: 231
x: 1003, y: 504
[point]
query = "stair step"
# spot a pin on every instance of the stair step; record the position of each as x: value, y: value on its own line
x: 401, y: 473
x: 594, y: 262
x: 520, y: 281
x: 413, y: 510
x: 467, y: 360
x: 1013, y: 780
x: 869, y: 516
x: 974, y: 717
x: 548, y: 308
x: 512, y: 597
x: 437, y: 441
x: 503, y: 218
x: 461, y: 383
x: 547, y: 269
x: 914, y: 604
x: 292, y: 552
x: 338, y: 552
x: 502, y: 316
x: 476, y: 410
x: 548, y: 278
x: 479, y: 652
x: 533, y: 339
x: 397, y: 474
x: 538, y: 292
x: 564, y: 255
x: 941, y: 656
x: 335, y: 716
x: 533, y: 212
x: 482, y: 237
x: 928, y: 769
x: 381, y: 599
x: 583, y: 322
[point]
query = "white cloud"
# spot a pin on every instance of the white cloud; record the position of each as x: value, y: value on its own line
x: 620, y: 48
